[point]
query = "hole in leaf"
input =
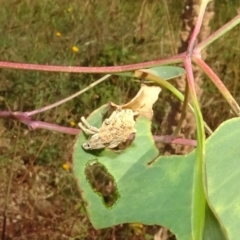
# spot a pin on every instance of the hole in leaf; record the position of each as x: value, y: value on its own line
x: 102, y: 183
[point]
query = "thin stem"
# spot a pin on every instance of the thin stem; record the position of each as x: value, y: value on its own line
x: 74, y: 131
x: 171, y: 36
x: 170, y: 87
x: 197, y: 27
x: 52, y: 127
x: 74, y: 69
x: 183, y: 113
x: 44, y: 141
x: 169, y: 139
x: 9, y: 185
x: 218, y: 83
x: 146, y: 75
x: 32, y: 124
x: 68, y: 98
x: 227, y: 27
x: 199, y: 199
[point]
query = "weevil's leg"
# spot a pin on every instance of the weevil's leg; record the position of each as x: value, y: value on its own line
x: 88, y: 129
x: 92, y: 128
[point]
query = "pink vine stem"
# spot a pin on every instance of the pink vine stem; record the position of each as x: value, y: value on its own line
x: 32, y: 124
x: 74, y: 69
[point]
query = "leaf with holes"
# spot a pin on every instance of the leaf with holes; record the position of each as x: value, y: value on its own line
x: 157, y: 192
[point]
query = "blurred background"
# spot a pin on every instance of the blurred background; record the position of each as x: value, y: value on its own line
x: 38, y: 195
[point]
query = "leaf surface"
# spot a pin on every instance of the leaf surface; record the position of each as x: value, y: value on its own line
x: 161, y: 192
x: 223, y: 175
x: 164, y: 72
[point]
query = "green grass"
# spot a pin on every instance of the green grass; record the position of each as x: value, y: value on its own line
x: 106, y: 33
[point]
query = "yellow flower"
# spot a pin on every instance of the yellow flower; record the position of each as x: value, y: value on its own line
x: 75, y: 49
x: 69, y: 9
x: 58, y: 34
x: 72, y: 124
x: 138, y: 228
x: 66, y: 166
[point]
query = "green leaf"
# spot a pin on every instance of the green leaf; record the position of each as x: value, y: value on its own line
x: 159, y: 193
x: 223, y: 175
x: 164, y: 72
x: 199, y: 198
x: 213, y: 229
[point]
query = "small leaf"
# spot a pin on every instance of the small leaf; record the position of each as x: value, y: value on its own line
x: 164, y: 72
